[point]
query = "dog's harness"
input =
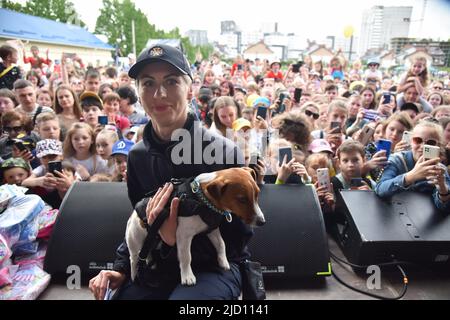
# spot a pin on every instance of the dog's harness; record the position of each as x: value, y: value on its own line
x: 192, y: 202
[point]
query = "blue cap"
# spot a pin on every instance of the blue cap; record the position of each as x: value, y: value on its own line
x: 261, y: 100
x: 122, y: 147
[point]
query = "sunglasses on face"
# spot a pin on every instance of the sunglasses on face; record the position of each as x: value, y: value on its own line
x: 372, y: 65
x: 312, y: 114
x: 10, y: 129
x: 419, y: 140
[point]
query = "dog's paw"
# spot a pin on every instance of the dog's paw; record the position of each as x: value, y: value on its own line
x: 223, y: 263
x: 188, y: 279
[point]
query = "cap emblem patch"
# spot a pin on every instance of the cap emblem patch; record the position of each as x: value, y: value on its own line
x: 156, y: 52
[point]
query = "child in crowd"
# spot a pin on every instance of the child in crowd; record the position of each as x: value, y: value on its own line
x: 127, y: 106
x: 351, y: 159
x: 51, y: 186
x: 92, y: 80
x: 331, y: 91
x: 92, y: 107
x: 15, y: 171
x: 79, y: 149
x: 417, y: 73
x: 119, y: 154
x: 47, y: 126
x: 111, y: 105
x: 104, y: 143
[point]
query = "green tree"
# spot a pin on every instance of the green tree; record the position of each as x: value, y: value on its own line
x: 15, y: 6
x: 115, y: 22
x: 57, y: 10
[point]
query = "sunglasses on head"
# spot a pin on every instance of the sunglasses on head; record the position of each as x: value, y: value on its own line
x: 419, y: 140
x: 10, y: 129
x: 313, y: 114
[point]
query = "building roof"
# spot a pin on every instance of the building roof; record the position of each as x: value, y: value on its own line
x: 22, y: 26
x: 258, y: 48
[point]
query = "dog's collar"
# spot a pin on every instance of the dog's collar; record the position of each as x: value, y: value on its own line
x: 195, y: 187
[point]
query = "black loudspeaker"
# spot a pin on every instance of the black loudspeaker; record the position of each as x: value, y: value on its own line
x: 90, y: 227
x: 406, y: 227
x: 293, y: 242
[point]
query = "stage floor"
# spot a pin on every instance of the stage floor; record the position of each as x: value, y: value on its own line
x: 424, y: 284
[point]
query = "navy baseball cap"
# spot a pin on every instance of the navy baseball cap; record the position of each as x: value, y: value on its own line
x: 122, y: 147
x: 161, y: 52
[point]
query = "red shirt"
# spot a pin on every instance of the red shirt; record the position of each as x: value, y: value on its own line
x: 36, y: 63
x: 272, y: 75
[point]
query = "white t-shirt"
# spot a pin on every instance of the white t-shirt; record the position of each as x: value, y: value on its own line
x: 93, y: 167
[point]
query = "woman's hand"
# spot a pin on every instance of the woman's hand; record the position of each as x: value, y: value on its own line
x: 378, y: 160
x: 438, y: 178
x: 422, y: 170
x: 402, y: 146
x: 48, y: 181
x: 99, y: 283
x: 156, y: 205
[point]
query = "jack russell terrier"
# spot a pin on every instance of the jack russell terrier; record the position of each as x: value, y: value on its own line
x: 204, y: 202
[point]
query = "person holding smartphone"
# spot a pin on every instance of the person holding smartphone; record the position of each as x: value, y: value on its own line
x: 47, y: 180
x: 410, y: 170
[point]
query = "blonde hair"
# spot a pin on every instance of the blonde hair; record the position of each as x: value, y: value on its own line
x: 111, y: 135
x: 68, y: 149
x: 45, y: 116
x: 403, y: 118
x: 425, y: 123
x: 423, y: 75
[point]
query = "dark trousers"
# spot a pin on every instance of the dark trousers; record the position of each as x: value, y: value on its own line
x: 222, y: 285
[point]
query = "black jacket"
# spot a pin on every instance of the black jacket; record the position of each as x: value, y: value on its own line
x: 150, y: 167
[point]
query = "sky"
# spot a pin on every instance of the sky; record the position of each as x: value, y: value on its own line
x: 315, y: 19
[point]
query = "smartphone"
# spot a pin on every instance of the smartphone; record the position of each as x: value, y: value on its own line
x: 103, y: 120
x: 431, y: 152
x: 19, y: 145
x: 262, y: 112
x: 356, y: 182
x: 55, y: 166
x: 370, y: 115
x: 296, y: 68
x: 240, y: 67
x: 384, y: 145
x: 366, y: 135
x: 386, y: 98
x: 407, y: 135
x: 284, y: 152
x: 323, y: 177
x: 297, y: 94
x: 282, y: 97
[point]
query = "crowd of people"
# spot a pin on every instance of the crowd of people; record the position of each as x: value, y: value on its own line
x: 337, y: 117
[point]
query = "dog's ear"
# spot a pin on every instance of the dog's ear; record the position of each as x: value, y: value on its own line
x: 252, y: 172
x: 216, y: 188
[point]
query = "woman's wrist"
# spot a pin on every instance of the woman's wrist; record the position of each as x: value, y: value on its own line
x: 409, y: 179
